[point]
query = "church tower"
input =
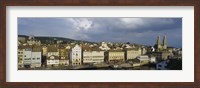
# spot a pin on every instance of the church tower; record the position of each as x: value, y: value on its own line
x: 158, y: 43
x: 160, y: 47
x: 164, y: 42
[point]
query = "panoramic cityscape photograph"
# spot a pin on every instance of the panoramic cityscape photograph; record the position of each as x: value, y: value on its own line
x: 99, y: 43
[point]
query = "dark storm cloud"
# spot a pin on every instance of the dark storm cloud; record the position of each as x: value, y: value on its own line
x: 134, y: 30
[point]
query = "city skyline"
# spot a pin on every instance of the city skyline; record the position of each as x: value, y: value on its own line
x: 133, y: 30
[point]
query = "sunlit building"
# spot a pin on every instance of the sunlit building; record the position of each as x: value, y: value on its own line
x: 116, y: 56
x: 36, y: 57
x: 76, y: 55
x: 93, y: 56
x: 52, y: 61
x: 132, y: 53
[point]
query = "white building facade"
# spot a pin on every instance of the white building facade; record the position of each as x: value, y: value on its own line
x: 36, y: 59
x: 144, y: 59
x: 30, y: 57
x: 76, y: 55
x: 27, y: 57
x: 52, y: 61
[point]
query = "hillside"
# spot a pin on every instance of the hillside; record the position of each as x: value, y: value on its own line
x: 50, y: 40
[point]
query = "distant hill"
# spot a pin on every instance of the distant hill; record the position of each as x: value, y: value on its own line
x: 53, y: 40
x: 50, y: 40
x: 23, y: 36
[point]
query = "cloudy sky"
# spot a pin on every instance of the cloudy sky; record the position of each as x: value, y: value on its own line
x: 133, y: 30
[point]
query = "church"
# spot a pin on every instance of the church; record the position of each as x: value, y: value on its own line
x: 160, y: 47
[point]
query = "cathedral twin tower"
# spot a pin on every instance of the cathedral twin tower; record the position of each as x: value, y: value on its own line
x: 158, y: 46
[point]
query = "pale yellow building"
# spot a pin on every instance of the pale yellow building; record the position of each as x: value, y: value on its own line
x: 20, y: 57
x: 116, y: 56
x: 93, y: 56
x: 132, y: 53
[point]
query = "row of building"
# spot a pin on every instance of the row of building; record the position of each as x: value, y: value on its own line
x: 35, y: 56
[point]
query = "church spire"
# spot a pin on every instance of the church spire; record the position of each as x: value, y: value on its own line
x: 158, y: 40
x: 164, y: 40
